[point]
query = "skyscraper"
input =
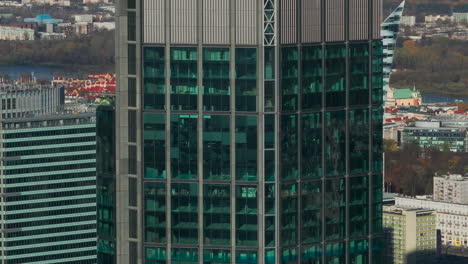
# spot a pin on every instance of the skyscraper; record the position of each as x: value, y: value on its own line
x: 48, y: 189
x: 249, y: 131
x: 390, y: 30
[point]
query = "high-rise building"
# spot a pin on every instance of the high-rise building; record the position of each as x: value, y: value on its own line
x: 48, y: 189
x: 390, y: 30
x: 249, y: 131
x: 105, y: 169
x: 410, y: 235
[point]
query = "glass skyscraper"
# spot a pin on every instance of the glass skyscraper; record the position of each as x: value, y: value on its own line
x: 249, y: 131
x: 48, y: 176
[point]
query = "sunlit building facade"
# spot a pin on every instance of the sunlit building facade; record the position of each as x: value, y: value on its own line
x: 249, y: 131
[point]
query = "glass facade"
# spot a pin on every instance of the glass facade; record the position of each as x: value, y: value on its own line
x: 316, y: 162
x: 256, y: 151
x: 49, y: 190
x: 105, y: 143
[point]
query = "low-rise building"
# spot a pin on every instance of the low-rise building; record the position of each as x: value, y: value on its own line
x: 434, y: 134
x: 26, y: 100
x: 434, y: 18
x: 460, y: 17
x: 52, y: 36
x: 451, y: 218
x: 451, y: 188
x: 404, y: 97
x: 410, y: 235
x: 104, y: 25
x: 408, y: 21
x: 83, y: 18
x: 46, y: 2
x: 14, y: 33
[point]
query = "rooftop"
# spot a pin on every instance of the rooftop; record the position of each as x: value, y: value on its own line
x: 404, y: 93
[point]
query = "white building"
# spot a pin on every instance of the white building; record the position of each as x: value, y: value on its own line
x: 47, y: 2
x: 460, y: 17
x: 408, y: 21
x: 14, y: 33
x: 451, y: 188
x: 84, y: 18
x: 434, y: 18
x: 104, y: 25
x: 451, y: 218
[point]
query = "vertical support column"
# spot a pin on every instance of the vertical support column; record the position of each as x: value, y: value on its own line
x: 371, y: 143
x: 167, y: 32
x: 232, y: 27
x: 200, y: 129
x: 261, y: 131
x: 347, y: 156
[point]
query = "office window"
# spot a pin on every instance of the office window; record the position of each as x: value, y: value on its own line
x: 335, y: 143
x: 184, y: 255
x: 216, y: 147
x: 131, y: 23
x: 132, y: 93
x: 289, y: 214
x: 155, y: 212
x: 184, y: 78
x: 289, y: 78
x: 246, y: 148
x: 217, y: 215
x: 216, y: 256
x: 154, y: 136
x: 216, y: 79
x: 335, y: 61
x: 246, y: 79
x: 155, y: 255
x: 184, y: 146
x: 312, y: 73
x: 311, y: 202
x: 289, y: 147
x: 335, y: 211
x: 358, y: 206
x: 359, y: 143
x: 184, y: 213
x: 311, y: 145
x: 359, y: 74
x: 154, y: 73
x: 246, y: 216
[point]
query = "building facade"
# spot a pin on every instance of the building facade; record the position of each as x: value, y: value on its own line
x: 451, y: 188
x: 28, y: 100
x: 409, y: 21
x: 435, y: 134
x: 410, y: 235
x: 390, y: 29
x: 249, y: 131
x: 48, y: 177
x: 106, y: 191
x: 15, y: 33
x: 452, y: 218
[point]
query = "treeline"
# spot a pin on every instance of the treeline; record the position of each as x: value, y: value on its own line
x: 410, y: 170
x: 421, y: 8
x: 96, y: 50
x: 436, y: 65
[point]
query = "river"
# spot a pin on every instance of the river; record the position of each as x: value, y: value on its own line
x: 40, y: 72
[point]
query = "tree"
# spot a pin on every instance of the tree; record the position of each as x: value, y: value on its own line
x: 390, y: 145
